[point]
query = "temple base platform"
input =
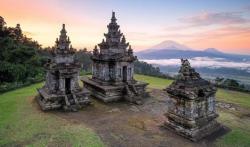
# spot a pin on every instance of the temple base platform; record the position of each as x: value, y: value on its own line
x: 68, y: 102
x: 133, y: 92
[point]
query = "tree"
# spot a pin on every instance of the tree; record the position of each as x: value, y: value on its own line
x: 19, y: 58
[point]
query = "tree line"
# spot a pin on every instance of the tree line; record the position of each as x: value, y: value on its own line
x: 231, y: 84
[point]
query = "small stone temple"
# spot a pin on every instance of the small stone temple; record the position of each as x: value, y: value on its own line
x: 113, y: 69
x: 61, y: 89
x: 193, y: 113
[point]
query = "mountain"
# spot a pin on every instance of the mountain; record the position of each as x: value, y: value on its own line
x: 172, y: 50
x: 168, y: 45
x: 213, y: 50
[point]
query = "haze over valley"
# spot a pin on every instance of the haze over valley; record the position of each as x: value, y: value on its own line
x: 210, y: 62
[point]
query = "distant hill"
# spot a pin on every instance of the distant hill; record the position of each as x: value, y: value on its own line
x: 173, y: 50
x: 169, y: 44
x: 213, y: 50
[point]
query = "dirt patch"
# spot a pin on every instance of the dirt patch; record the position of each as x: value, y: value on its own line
x: 124, y: 125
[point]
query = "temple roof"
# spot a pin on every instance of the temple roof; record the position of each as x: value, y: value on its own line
x: 189, y: 83
x: 113, y: 37
x: 63, y: 43
x: 115, y: 44
x: 186, y: 72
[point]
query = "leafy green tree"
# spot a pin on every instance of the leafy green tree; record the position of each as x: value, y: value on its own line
x: 19, y: 58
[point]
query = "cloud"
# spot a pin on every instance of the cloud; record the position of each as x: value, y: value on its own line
x: 215, y: 18
x: 233, y: 35
x: 247, y: 8
x: 225, y: 32
x: 229, y: 37
x: 215, y: 33
x: 203, y: 62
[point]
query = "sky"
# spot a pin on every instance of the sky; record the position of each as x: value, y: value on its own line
x: 199, y: 24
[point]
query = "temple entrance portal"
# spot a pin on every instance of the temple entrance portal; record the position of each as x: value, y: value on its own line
x: 124, y: 70
x: 67, y: 85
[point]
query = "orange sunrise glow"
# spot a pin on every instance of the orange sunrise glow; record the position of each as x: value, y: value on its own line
x: 86, y: 22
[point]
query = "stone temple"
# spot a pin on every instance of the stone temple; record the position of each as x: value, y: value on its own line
x: 61, y: 89
x: 113, y: 69
x: 193, y: 113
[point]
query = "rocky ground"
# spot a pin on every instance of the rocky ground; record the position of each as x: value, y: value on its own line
x: 122, y: 124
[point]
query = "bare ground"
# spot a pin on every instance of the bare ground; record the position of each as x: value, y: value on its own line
x: 122, y: 124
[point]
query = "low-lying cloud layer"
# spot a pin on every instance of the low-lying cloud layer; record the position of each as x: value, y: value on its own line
x: 203, y: 62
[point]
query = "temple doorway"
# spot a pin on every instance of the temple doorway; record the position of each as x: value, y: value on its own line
x: 124, y: 73
x: 57, y: 74
x: 67, y: 85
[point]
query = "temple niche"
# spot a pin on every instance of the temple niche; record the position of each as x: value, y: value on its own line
x: 193, y: 113
x: 61, y: 89
x: 113, y: 69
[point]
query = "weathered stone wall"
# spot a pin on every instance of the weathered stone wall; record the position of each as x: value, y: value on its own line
x: 106, y: 72
x: 62, y: 84
x: 75, y: 82
x: 119, y: 70
x: 64, y: 59
x: 192, y: 109
x: 116, y: 51
x: 50, y: 83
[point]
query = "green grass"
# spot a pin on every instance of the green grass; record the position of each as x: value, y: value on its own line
x: 21, y: 124
x: 239, y: 136
x: 154, y: 82
x: 239, y: 98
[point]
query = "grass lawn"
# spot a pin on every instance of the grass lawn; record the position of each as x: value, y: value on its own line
x: 23, y: 125
x: 154, y: 82
x: 240, y: 134
x: 239, y: 98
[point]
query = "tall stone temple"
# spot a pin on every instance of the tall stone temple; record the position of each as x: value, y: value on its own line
x: 193, y: 113
x: 61, y: 89
x: 113, y: 69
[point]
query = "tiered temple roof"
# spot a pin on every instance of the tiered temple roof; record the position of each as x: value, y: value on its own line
x: 114, y: 46
x: 63, y: 43
x: 63, y: 52
x: 189, y: 83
